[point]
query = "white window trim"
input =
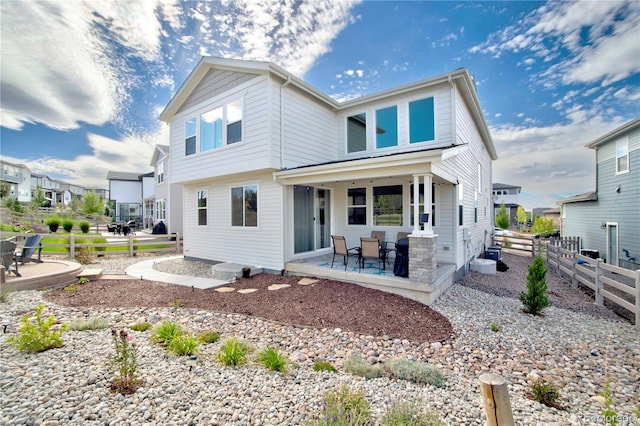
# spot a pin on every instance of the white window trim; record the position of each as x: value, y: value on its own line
x: 407, y: 121
x: 244, y: 221
x: 198, y: 208
x: 625, y: 141
x: 368, y: 194
x: 375, y: 126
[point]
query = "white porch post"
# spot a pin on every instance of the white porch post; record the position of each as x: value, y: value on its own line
x: 427, y: 204
x: 416, y: 204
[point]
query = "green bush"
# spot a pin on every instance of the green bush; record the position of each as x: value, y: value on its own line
x: 345, y: 407
x: 209, y: 336
x: 165, y: 332
x: 184, y: 344
x: 324, y: 366
x: 84, y: 226
x: 67, y: 225
x: 141, y: 326
x: 408, y: 414
x: 82, y: 324
x: 359, y: 367
x: 37, y: 336
x: 415, y: 371
x: 273, y: 360
x: 14, y: 205
x: 53, y: 223
x: 535, y: 298
x: 234, y: 352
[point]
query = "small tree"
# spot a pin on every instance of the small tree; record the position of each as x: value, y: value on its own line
x: 535, y: 298
x: 521, y: 216
x: 38, y: 200
x: 502, y: 219
x: 543, y: 227
x: 5, y: 188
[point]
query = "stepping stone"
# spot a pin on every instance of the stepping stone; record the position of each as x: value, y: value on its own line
x: 278, y: 286
x: 90, y: 274
x: 307, y: 281
x: 225, y: 289
x: 247, y: 290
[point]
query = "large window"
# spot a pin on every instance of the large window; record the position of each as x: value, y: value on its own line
x: 387, y: 205
x: 387, y: 127
x: 190, y: 136
x: 244, y: 206
x: 211, y: 130
x: 421, y: 121
x: 357, y: 206
x: 202, y: 207
x: 622, y: 156
x: 357, y: 133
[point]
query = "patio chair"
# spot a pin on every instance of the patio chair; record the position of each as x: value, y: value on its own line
x: 112, y: 228
x: 370, y: 249
x: 31, y: 245
x: 7, y: 251
x: 380, y: 236
x: 340, y: 249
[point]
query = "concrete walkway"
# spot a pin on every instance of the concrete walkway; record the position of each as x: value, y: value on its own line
x: 144, y: 270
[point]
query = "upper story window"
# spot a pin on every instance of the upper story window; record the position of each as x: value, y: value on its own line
x: 622, y: 156
x: 160, y: 172
x: 387, y: 127
x: 218, y: 127
x: 190, y: 137
x: 244, y: 205
x: 421, y: 121
x: 357, y: 133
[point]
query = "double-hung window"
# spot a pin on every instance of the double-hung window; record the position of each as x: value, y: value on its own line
x: 202, y: 207
x: 160, y: 172
x: 234, y: 122
x: 622, y: 156
x: 244, y: 205
x: 218, y: 127
x: 160, y: 209
x: 190, y: 137
x: 357, y: 206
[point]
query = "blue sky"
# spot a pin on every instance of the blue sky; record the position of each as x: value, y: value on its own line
x: 82, y: 83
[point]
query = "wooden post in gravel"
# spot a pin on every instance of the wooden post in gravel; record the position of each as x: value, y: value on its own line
x: 495, y: 399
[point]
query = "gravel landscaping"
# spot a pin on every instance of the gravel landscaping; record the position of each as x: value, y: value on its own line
x: 575, y: 345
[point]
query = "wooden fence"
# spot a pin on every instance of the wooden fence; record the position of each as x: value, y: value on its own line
x: 130, y: 245
x: 618, y: 285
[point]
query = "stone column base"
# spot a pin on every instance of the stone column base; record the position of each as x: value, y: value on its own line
x: 422, y: 258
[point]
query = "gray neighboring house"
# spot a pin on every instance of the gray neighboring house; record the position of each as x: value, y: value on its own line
x: 608, y: 219
x: 168, y: 196
x: 507, y: 195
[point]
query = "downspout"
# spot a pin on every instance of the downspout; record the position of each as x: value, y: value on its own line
x: 286, y: 83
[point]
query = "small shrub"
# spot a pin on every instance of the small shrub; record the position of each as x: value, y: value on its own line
x: 37, y: 336
x: 83, y: 280
x: 408, y: 414
x: 53, y: 223
x: 14, y: 205
x: 83, y: 256
x: 535, y: 299
x: 184, y: 344
x: 359, y: 367
x: 208, y: 337
x: 324, y: 366
x: 124, y: 363
x: 495, y: 328
x: 84, y: 226
x: 141, y: 326
x: 165, y: 332
x: 82, y: 324
x: 609, y: 412
x: 70, y: 289
x: 273, y: 360
x: 4, y: 294
x: 545, y: 393
x: 233, y: 352
x: 345, y: 407
x: 414, y: 371
x: 67, y: 225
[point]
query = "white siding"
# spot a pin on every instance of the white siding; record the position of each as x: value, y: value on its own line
x: 250, y: 154
x: 219, y: 241
x: 126, y: 191
x: 213, y: 84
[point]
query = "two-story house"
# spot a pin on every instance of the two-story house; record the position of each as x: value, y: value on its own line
x: 133, y: 196
x: 167, y: 195
x: 271, y: 167
x: 608, y: 219
x: 507, y: 195
x: 18, y: 180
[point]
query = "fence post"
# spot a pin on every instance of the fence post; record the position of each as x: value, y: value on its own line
x: 638, y: 299
x: 177, y: 242
x: 599, y: 298
x: 130, y: 245
x: 72, y: 246
x: 495, y: 399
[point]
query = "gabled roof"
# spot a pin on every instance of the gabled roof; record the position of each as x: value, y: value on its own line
x: 159, y: 151
x: 461, y: 76
x: 627, y: 127
x: 505, y: 186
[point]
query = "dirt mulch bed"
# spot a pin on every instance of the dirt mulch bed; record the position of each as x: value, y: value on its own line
x: 325, y: 304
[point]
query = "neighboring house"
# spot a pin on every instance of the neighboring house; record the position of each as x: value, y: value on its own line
x: 132, y: 194
x: 548, y: 213
x: 168, y: 196
x: 271, y: 167
x: 608, y: 219
x: 507, y: 195
x: 18, y: 177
